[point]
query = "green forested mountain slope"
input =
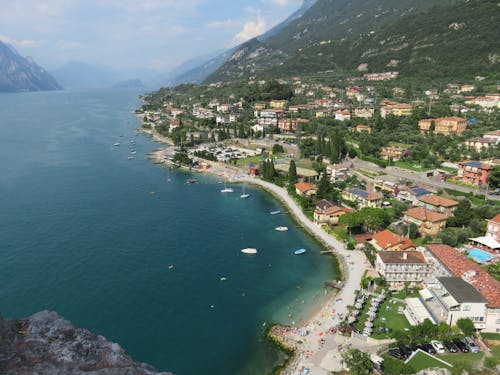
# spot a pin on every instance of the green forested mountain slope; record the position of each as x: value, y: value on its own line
x: 454, y: 38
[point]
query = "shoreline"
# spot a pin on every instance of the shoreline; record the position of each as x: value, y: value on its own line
x: 352, y: 265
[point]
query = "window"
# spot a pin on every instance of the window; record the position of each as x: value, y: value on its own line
x: 497, y: 321
x: 466, y: 307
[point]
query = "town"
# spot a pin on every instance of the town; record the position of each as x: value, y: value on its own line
x: 409, y: 176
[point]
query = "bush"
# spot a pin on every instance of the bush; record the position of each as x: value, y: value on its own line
x: 491, y: 362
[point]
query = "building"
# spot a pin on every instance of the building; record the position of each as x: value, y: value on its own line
x: 291, y: 125
x: 393, y: 153
x: 337, y: 172
x: 389, y: 241
x: 269, y: 117
x: 493, y: 228
x: 428, y: 222
x: 399, y: 267
x: 461, y: 266
x: 278, y: 104
x: 343, y: 115
x: 327, y: 212
x: 449, y: 299
x: 495, y: 134
x: 396, y: 109
x: 444, y: 125
x: 364, y: 112
x: 385, y: 76
x: 480, y: 143
x: 386, y: 184
x: 439, y: 204
x: 412, y: 194
x: 476, y: 172
x: 363, y: 198
x: 363, y: 129
x: 305, y: 189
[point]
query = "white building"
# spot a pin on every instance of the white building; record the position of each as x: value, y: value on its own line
x: 399, y: 267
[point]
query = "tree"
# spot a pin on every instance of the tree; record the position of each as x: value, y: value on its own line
x: 278, y: 149
x: 358, y: 362
x: 462, y: 214
x: 466, y: 326
x: 494, y: 177
x: 292, y: 173
x: 324, y: 187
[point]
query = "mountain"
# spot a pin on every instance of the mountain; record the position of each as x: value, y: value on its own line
x: 198, y: 69
x: 442, y: 37
x: 19, y: 73
x: 76, y: 74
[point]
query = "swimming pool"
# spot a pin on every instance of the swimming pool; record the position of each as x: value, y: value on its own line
x: 480, y: 256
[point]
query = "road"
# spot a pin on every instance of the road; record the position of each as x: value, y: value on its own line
x: 418, y: 177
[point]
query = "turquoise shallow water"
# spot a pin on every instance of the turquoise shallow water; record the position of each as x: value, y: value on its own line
x: 82, y: 235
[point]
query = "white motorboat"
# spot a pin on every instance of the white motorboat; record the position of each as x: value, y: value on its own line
x: 281, y: 229
x: 249, y: 250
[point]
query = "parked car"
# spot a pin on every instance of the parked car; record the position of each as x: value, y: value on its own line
x: 438, y: 346
x: 406, y: 351
x: 428, y: 348
x: 396, y: 354
x: 452, y: 348
x: 415, y: 347
x: 461, y: 345
x: 471, y: 344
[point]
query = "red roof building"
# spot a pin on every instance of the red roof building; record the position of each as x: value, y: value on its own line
x: 387, y: 240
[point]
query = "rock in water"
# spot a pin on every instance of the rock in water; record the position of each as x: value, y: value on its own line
x: 46, y: 344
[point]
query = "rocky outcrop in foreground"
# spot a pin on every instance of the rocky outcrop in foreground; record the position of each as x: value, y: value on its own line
x: 45, y: 343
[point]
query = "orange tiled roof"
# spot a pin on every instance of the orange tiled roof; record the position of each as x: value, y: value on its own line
x: 496, y: 218
x: 436, y: 200
x: 304, y: 186
x: 424, y: 215
x: 461, y: 266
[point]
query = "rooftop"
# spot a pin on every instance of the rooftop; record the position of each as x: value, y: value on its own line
x: 436, y: 200
x: 463, y: 267
x: 304, y: 186
x: 397, y: 257
x: 495, y: 219
x: 461, y: 291
x: 364, y: 194
x: 424, y: 215
x: 386, y: 239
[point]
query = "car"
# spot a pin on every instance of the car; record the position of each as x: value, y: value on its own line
x: 396, y: 353
x: 428, y: 348
x: 414, y: 347
x: 472, y: 345
x: 438, y: 346
x: 452, y: 348
x: 461, y: 345
x: 406, y: 351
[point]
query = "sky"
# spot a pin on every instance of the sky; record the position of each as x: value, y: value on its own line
x: 134, y: 34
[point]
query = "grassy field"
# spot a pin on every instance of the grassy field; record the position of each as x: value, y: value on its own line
x: 422, y: 361
x: 246, y: 161
x: 471, y: 359
x: 411, y: 165
x: 394, y: 320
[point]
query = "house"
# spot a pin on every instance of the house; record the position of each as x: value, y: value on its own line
x: 224, y: 119
x: 396, y: 109
x: 393, y: 153
x: 428, y: 222
x: 380, y: 76
x: 476, y: 172
x: 363, y: 129
x: 480, y: 143
x: 278, y: 104
x: 495, y: 135
x: 444, y: 125
x: 305, y: 189
x: 389, y: 241
x: 362, y: 197
x: 327, y: 212
x: 174, y: 124
x: 387, y: 183
x: 451, y: 298
x: 460, y: 266
x: 364, y: 112
x: 399, y: 267
x: 412, y: 194
x: 343, y: 115
x: 291, y: 125
x: 493, y: 228
x: 269, y: 117
x: 224, y: 108
x: 337, y: 172
x: 439, y: 204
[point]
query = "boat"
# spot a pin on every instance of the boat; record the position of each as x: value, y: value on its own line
x: 133, y: 152
x: 281, y: 229
x: 191, y: 181
x: 274, y: 212
x: 116, y: 144
x: 226, y: 189
x: 299, y: 251
x: 243, y: 193
x: 223, y: 278
x: 249, y: 250
x: 170, y: 266
x: 130, y: 157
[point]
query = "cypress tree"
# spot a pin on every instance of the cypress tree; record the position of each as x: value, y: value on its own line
x: 292, y: 173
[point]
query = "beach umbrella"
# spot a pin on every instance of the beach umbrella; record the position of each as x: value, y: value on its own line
x: 358, y: 305
x: 351, y: 319
x: 369, y: 324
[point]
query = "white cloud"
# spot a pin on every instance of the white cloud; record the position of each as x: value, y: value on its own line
x: 225, y: 25
x: 251, y: 29
x: 19, y: 43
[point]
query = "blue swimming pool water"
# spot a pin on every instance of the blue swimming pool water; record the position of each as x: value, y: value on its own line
x: 480, y: 256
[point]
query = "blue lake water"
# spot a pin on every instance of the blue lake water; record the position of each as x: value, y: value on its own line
x: 82, y: 234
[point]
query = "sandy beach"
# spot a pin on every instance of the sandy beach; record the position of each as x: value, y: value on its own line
x: 319, y: 349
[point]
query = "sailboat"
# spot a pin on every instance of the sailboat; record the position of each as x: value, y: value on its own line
x: 226, y: 189
x: 243, y: 193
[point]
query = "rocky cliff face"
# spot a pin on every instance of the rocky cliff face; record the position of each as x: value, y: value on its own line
x: 18, y: 73
x: 45, y: 343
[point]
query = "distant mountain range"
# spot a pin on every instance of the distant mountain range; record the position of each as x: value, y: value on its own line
x: 18, y: 73
x: 431, y: 38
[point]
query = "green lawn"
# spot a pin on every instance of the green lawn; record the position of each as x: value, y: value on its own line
x: 422, y: 361
x: 495, y: 350
x: 471, y: 359
x: 395, y: 321
x: 491, y: 336
x: 246, y: 161
x: 412, y: 165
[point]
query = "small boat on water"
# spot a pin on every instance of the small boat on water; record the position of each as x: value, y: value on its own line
x: 281, y: 229
x: 299, y: 251
x: 244, y: 193
x: 130, y: 157
x: 133, y: 152
x: 223, y: 278
x: 116, y: 144
x: 227, y: 190
x: 191, y: 181
x: 274, y: 212
x: 249, y: 250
